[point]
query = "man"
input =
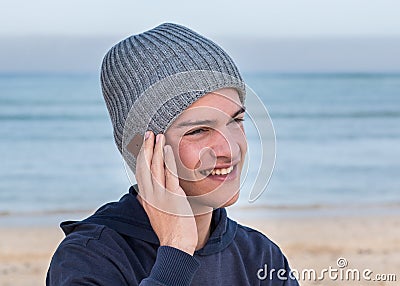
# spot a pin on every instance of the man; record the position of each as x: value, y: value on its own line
x: 176, y: 102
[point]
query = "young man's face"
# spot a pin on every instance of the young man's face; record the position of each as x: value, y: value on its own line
x: 209, y: 144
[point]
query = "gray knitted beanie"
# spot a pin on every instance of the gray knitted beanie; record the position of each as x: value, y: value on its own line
x: 150, y: 78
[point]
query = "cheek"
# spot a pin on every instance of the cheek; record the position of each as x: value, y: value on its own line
x: 188, y: 153
x: 241, y: 140
x: 243, y: 143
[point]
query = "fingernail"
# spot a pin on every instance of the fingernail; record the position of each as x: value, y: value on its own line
x: 166, y: 149
x: 158, y: 137
x: 146, y: 135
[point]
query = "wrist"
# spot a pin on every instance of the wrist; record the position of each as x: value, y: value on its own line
x: 189, y: 248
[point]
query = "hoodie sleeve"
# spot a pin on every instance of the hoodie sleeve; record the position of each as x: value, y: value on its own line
x: 79, y: 261
x: 172, y: 267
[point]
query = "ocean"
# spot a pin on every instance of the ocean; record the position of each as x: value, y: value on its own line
x: 337, y: 142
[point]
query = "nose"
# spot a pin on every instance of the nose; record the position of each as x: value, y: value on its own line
x: 224, y: 144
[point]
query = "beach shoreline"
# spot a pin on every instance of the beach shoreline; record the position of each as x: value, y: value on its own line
x: 309, y: 240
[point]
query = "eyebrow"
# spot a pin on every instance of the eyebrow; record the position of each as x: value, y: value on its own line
x: 208, y: 122
x: 240, y: 111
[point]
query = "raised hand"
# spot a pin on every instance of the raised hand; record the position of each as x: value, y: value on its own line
x: 162, y: 197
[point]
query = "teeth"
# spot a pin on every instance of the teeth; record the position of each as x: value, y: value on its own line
x: 222, y: 171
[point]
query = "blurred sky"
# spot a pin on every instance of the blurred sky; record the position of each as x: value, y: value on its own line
x: 276, y: 36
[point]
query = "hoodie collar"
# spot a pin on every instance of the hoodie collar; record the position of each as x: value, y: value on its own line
x: 128, y: 217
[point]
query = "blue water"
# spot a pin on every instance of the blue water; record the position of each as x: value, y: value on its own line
x: 338, y: 142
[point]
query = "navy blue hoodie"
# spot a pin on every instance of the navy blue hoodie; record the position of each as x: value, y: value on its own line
x: 117, y: 246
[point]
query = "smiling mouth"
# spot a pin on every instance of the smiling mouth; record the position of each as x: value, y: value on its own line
x: 218, y: 172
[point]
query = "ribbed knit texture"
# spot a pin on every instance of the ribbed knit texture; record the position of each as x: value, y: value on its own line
x: 182, y: 267
x: 154, y: 76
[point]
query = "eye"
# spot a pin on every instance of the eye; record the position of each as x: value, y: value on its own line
x: 237, y: 120
x: 196, y: 131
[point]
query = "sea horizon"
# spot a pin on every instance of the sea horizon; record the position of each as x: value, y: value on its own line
x: 337, y: 142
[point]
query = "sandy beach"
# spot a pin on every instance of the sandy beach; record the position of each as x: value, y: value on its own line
x: 310, y: 242
x: 366, y: 242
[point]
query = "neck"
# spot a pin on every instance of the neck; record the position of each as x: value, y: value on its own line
x: 203, y: 223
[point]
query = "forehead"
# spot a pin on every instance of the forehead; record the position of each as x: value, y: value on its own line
x: 225, y: 101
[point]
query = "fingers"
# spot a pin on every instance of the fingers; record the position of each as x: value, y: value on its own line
x: 171, y: 179
x: 150, y: 172
x: 157, y: 164
x: 156, y: 173
x: 143, y: 163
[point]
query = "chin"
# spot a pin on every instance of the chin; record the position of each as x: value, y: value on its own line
x: 221, y: 200
x: 205, y: 204
x: 211, y: 195
x: 233, y: 200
